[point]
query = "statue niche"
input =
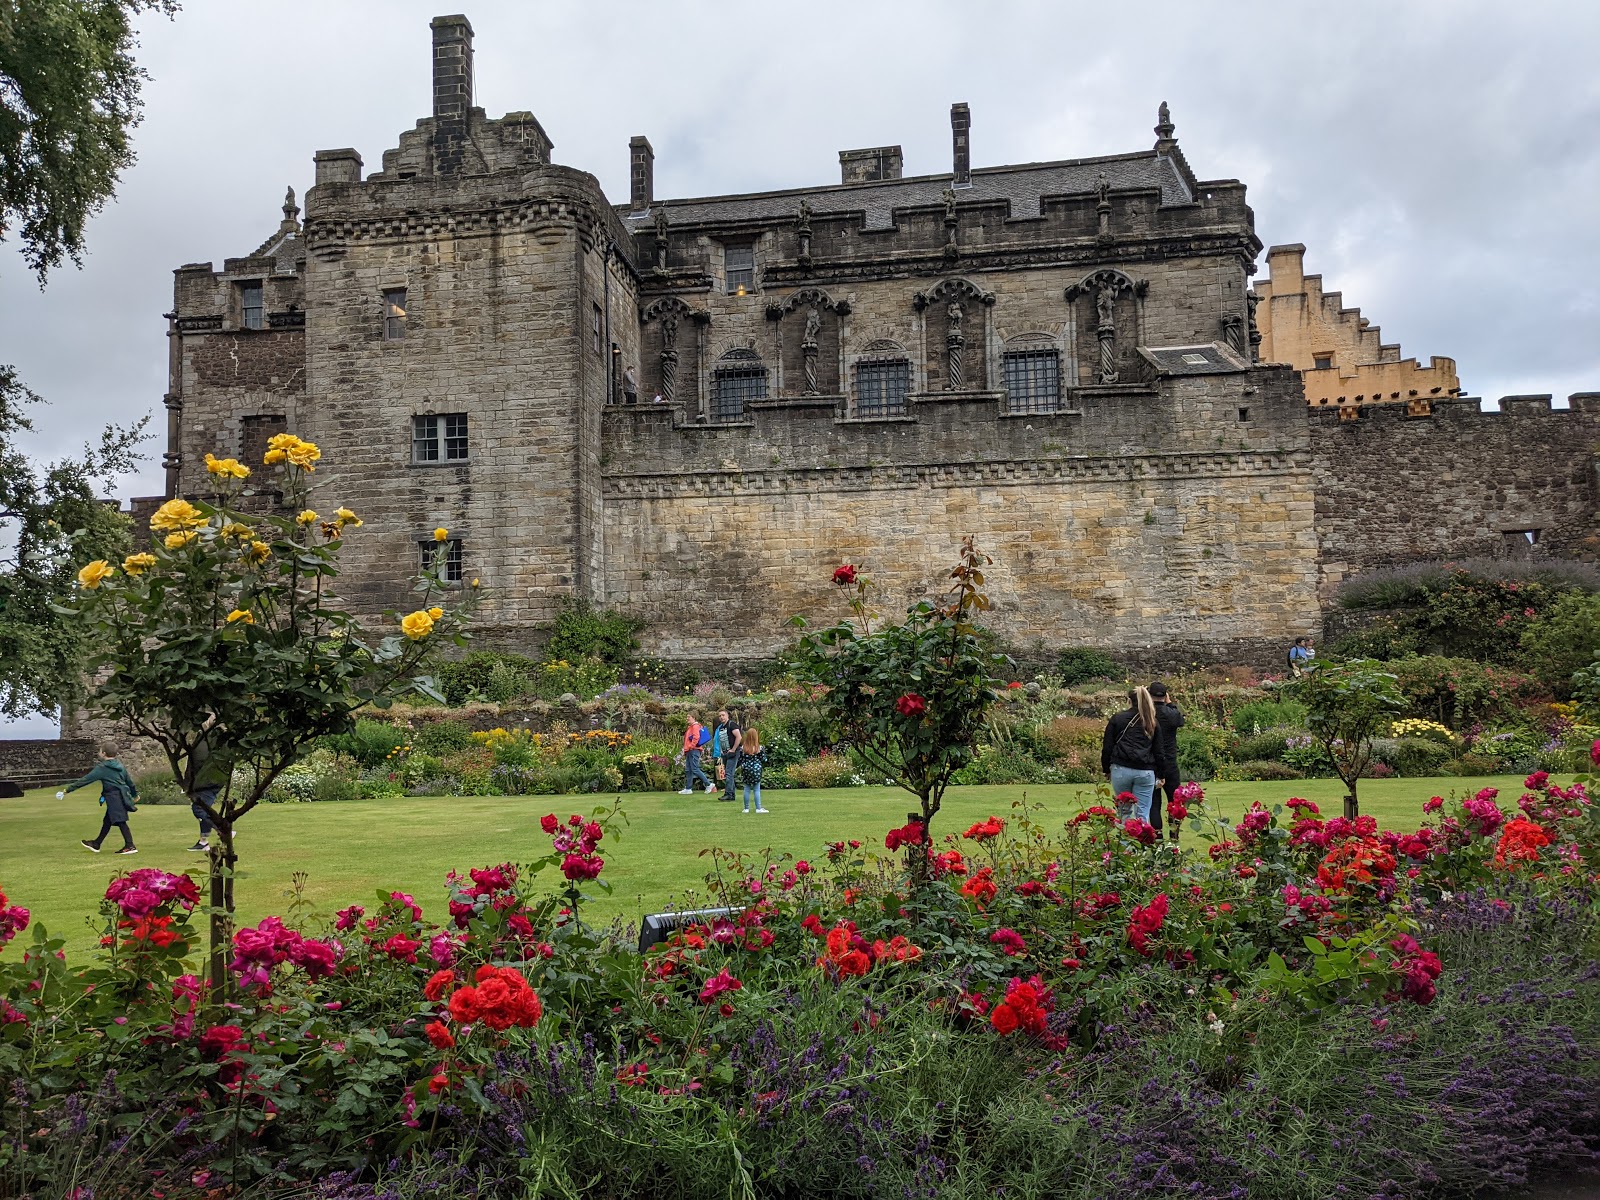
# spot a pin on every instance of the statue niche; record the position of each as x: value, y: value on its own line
x: 670, y: 353
x: 809, y: 333
x: 955, y: 325
x: 1106, y: 311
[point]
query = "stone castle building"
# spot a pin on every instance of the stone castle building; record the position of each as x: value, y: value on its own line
x: 693, y: 409
x: 1341, y: 356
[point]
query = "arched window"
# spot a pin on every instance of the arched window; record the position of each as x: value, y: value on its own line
x: 740, y: 377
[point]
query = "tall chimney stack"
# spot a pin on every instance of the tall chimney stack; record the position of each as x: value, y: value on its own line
x: 961, y: 148
x: 641, y: 173
x: 452, y: 68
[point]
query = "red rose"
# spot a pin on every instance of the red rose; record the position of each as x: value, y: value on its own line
x: 436, y: 985
x: 439, y: 1035
x: 845, y: 576
x: 1004, y: 1019
x: 911, y: 705
x: 548, y: 823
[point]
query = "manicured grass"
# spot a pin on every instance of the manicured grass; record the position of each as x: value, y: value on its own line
x: 347, y: 851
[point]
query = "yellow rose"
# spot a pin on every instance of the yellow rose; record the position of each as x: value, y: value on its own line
x: 436, y: 613
x: 416, y: 626
x: 282, y: 441
x: 231, y: 467
x: 234, y: 530
x: 258, y: 553
x: 474, y: 581
x: 306, y: 517
x: 177, y: 541
x: 440, y: 534
x: 273, y: 457
x: 134, y: 564
x: 241, y: 614
x: 176, y: 514
x: 346, y: 517
x: 95, y: 573
x: 303, y: 455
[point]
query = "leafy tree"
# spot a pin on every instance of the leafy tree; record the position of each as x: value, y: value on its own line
x: 1347, y: 706
x: 51, y: 519
x: 226, y: 639
x: 582, y: 631
x: 69, y: 95
x: 910, y: 698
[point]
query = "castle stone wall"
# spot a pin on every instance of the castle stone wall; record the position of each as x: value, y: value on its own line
x: 1393, y: 488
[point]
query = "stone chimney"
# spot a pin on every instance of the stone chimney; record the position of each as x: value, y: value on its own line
x: 870, y: 165
x: 452, y: 91
x: 1286, y: 269
x: 960, y: 143
x: 641, y: 173
x: 338, y: 166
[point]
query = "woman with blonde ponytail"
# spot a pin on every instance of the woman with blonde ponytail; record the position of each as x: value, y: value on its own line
x: 1129, y: 755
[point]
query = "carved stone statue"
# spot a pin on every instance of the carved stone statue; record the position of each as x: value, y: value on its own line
x: 669, y: 356
x: 954, y: 344
x: 1164, y: 126
x: 1105, y: 304
x: 802, y: 216
x: 661, y: 238
x: 949, y: 196
x: 1250, y: 301
x: 1233, y: 332
x: 809, y: 347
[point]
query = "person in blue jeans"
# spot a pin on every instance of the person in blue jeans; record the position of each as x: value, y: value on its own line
x: 1130, y: 753
x: 752, y: 761
x: 695, y: 737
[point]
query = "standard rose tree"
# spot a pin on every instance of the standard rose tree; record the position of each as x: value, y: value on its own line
x: 227, y: 637
x: 910, y: 698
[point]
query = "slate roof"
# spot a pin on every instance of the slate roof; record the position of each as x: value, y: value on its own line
x: 1022, y: 186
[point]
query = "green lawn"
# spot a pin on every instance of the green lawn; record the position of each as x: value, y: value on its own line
x: 349, y: 850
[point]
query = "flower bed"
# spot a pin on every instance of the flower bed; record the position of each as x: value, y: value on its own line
x: 1294, y: 1006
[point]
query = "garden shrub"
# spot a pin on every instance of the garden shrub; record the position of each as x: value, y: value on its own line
x: 1201, y: 749
x: 823, y: 771
x: 1382, y: 638
x: 159, y: 787
x: 583, y: 632
x: 1459, y: 692
x: 441, y: 737
x: 1259, y: 769
x: 1411, y: 756
x: 1079, y: 664
x: 1304, y: 754
x: 1075, y: 741
x: 995, y: 765
x: 584, y: 678
x: 1472, y: 763
x: 370, y: 743
x: 1267, y: 746
x: 1265, y: 714
x: 485, y: 674
x: 1563, y: 642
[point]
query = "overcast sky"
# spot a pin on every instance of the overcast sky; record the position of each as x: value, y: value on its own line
x: 1440, y: 160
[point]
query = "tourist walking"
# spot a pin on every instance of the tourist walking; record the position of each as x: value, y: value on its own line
x: 1168, y: 721
x: 212, y: 773
x: 1301, y: 657
x: 1129, y: 754
x: 726, y: 740
x: 117, y: 793
x: 695, y: 738
x: 752, y: 761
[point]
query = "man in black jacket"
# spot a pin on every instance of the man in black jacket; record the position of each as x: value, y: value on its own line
x: 1168, y: 721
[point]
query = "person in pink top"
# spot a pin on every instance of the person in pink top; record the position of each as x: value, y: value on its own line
x: 694, y: 738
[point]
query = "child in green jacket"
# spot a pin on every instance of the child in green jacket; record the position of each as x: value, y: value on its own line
x: 117, y: 793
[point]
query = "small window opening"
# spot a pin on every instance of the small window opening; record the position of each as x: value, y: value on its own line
x: 597, y: 319
x: 445, y: 557
x: 394, y: 314
x: 1196, y: 360
x: 252, y: 312
x: 1324, y: 362
x: 1244, y: 414
x: 739, y: 263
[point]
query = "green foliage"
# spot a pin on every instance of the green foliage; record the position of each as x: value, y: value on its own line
x: 1347, y: 706
x: 1079, y: 664
x: 52, y: 519
x: 485, y: 674
x: 584, y: 678
x: 70, y: 100
x: 1265, y: 714
x: 582, y: 632
x: 1382, y: 638
x: 1257, y: 770
x: 1201, y: 750
x: 1411, y: 756
x: 1563, y: 642
x: 910, y: 698
x: 441, y: 737
x: 159, y: 787
x: 370, y: 743
x: 1459, y: 692
x: 823, y: 771
x: 1009, y: 764
x: 1268, y: 746
x: 1479, y: 610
